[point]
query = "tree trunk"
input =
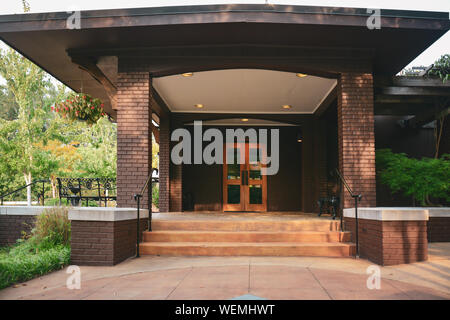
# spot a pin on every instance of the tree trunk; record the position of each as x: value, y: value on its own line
x: 28, y: 181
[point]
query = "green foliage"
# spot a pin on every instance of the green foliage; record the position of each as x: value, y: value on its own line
x: 155, y: 194
x: 155, y: 153
x: 23, y: 262
x: 8, y: 107
x: 80, y: 106
x: 98, y: 150
x: 36, y: 143
x: 420, y: 179
x: 46, y: 249
x: 441, y: 68
x: 20, y: 139
x: 52, y: 228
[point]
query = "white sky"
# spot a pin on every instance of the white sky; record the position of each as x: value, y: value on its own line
x: 442, y: 46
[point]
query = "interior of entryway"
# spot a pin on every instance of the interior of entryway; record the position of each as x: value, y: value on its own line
x: 244, y: 184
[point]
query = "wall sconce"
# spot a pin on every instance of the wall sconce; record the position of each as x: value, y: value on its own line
x: 299, y: 136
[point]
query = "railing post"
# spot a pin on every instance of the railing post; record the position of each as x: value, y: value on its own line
x: 356, y: 226
x: 137, y: 197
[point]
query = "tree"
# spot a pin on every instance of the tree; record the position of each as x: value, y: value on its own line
x: 441, y: 68
x: 21, y: 138
x: 8, y: 106
x: 98, y: 150
x: 422, y: 179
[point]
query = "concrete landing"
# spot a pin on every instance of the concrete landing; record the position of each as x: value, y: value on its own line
x: 152, y: 277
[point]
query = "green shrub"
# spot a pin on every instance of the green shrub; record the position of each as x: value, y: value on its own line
x: 52, y: 228
x: 23, y: 262
x: 421, y: 179
x: 155, y: 194
x: 45, y: 249
x: 55, y: 202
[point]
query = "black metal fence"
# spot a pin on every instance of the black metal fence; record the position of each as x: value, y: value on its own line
x: 75, y: 190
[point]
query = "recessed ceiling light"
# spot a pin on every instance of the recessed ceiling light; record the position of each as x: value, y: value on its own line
x: 199, y: 105
x: 244, y: 120
x: 187, y: 74
x: 301, y: 75
x: 286, y: 106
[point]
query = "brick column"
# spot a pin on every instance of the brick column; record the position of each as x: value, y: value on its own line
x: 356, y: 137
x: 134, y: 143
x: 176, y: 179
x: 164, y: 164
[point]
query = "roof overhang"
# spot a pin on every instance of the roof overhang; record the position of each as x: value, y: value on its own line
x: 267, y: 36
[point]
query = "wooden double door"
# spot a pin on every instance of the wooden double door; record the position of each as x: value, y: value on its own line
x: 244, y: 185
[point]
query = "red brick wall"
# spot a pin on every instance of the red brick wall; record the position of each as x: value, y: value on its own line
x: 438, y: 229
x: 390, y: 242
x: 103, y: 243
x: 176, y: 189
x: 134, y: 143
x: 176, y: 179
x: 164, y: 164
x: 356, y: 139
x: 12, y: 226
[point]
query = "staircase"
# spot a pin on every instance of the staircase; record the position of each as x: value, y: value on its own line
x: 247, y: 238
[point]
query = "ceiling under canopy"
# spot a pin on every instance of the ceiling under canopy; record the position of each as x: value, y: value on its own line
x: 247, y: 91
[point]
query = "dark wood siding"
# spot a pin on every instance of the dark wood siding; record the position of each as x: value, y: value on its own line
x: 204, y: 182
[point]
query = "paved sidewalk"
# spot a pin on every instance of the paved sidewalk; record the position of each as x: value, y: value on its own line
x: 229, y: 277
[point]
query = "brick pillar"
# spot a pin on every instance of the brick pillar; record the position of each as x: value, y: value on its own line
x: 176, y: 181
x: 164, y: 164
x: 356, y: 137
x: 134, y: 143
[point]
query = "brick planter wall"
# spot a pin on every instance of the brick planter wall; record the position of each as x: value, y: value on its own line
x: 12, y: 227
x: 439, y: 225
x: 14, y: 220
x: 103, y: 243
x: 390, y: 237
x: 390, y: 242
x: 439, y: 229
x: 104, y: 237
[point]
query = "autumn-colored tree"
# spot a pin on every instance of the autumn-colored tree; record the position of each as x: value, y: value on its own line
x: 20, y: 138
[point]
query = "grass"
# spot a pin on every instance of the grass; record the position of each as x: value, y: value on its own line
x: 46, y: 249
x: 24, y: 261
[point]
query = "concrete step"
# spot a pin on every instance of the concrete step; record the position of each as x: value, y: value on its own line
x: 283, y: 249
x: 246, y: 225
x: 246, y: 236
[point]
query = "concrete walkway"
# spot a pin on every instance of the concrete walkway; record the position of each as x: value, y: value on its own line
x: 230, y: 277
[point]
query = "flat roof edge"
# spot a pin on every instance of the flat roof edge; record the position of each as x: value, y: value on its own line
x: 200, y: 9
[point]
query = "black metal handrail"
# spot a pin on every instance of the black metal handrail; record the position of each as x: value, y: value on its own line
x: 137, y: 198
x: 43, y: 181
x: 356, y: 197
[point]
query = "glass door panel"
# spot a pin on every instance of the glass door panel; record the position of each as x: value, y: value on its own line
x: 233, y: 196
